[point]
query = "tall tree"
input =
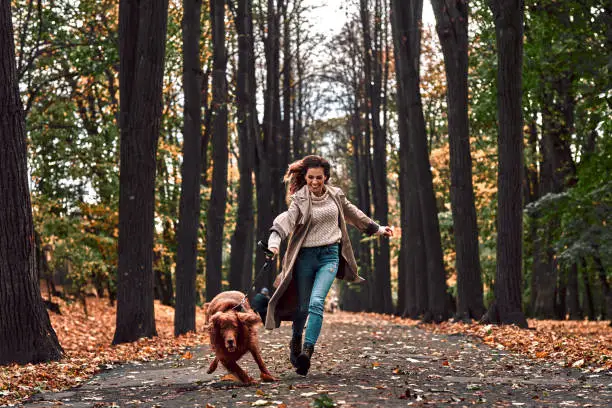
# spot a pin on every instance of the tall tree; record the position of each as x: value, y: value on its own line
x: 412, y: 291
x: 241, y: 267
x: 409, y: 16
x: 270, y: 190
x: 372, y: 43
x: 452, y: 27
x: 189, y: 210
x: 142, y: 44
x: 287, y: 89
x: 26, y: 335
x: 298, y: 99
x: 218, y: 196
x: 346, y: 69
x: 506, y: 309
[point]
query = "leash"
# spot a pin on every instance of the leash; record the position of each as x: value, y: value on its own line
x: 269, y: 256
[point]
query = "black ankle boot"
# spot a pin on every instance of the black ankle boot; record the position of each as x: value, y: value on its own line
x: 296, y: 349
x: 303, y: 360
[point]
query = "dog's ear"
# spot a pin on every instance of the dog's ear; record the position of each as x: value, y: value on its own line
x: 205, y: 309
x: 249, y: 318
x: 216, y: 318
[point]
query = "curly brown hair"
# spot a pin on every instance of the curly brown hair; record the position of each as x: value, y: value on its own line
x: 295, y: 177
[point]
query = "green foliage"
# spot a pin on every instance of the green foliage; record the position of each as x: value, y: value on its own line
x: 68, y: 60
x: 585, y: 212
x: 82, y: 243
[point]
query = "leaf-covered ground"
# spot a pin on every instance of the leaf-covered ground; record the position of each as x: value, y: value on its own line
x: 86, y: 340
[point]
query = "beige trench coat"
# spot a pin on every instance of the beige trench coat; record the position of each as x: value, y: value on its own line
x: 294, y: 223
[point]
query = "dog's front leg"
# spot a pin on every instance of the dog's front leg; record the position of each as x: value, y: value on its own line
x: 265, y: 375
x: 233, y: 367
x: 213, y: 365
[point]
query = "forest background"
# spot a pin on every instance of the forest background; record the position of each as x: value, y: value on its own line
x: 271, y: 89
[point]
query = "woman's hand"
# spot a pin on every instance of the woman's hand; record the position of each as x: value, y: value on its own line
x: 274, y: 251
x: 386, y: 231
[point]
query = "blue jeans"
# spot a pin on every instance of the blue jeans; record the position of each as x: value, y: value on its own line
x: 314, y: 273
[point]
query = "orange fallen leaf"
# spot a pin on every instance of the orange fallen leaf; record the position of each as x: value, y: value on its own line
x: 230, y: 377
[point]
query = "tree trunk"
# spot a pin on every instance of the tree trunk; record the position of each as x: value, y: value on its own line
x: 142, y: 44
x: 506, y: 309
x: 452, y: 27
x: 365, y: 201
x: 373, y: 81
x: 26, y: 335
x: 545, y: 272
x: 532, y: 195
x: 241, y: 266
x: 407, y: 283
x: 218, y: 197
x: 361, y: 296
x: 298, y: 120
x: 588, y: 305
x: 408, y: 18
x: 573, y: 298
x: 561, y: 297
x: 189, y: 209
x: 285, y: 136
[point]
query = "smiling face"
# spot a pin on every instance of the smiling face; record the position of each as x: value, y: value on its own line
x: 315, y: 179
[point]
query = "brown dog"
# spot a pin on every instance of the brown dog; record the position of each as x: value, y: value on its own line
x: 232, y: 326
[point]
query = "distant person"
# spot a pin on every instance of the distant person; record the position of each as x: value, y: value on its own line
x: 260, y: 303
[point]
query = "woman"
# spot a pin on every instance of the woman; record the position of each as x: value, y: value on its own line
x: 318, y: 251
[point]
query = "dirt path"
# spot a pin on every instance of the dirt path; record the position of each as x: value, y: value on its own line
x: 359, y: 362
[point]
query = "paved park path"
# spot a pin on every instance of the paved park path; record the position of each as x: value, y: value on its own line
x: 361, y: 361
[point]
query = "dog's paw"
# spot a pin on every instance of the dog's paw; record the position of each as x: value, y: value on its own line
x: 251, y: 381
x: 267, y: 378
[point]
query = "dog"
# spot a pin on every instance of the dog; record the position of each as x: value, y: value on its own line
x: 232, y: 327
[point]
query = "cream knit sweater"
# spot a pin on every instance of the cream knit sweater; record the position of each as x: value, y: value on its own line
x: 324, y: 228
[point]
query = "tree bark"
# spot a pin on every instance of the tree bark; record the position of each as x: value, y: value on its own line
x: 298, y: 120
x: 241, y: 266
x: 268, y: 174
x: 452, y: 27
x: 142, y: 44
x: 189, y: 208
x: 506, y: 309
x: 407, y: 18
x: 373, y: 80
x: 358, y: 298
x: 285, y: 135
x: 26, y: 334
x: 218, y: 197
x: 407, y: 283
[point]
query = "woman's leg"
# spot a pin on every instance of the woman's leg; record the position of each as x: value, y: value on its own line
x: 325, y: 275
x: 304, y: 275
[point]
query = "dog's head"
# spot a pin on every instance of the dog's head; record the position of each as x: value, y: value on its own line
x: 228, y: 325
